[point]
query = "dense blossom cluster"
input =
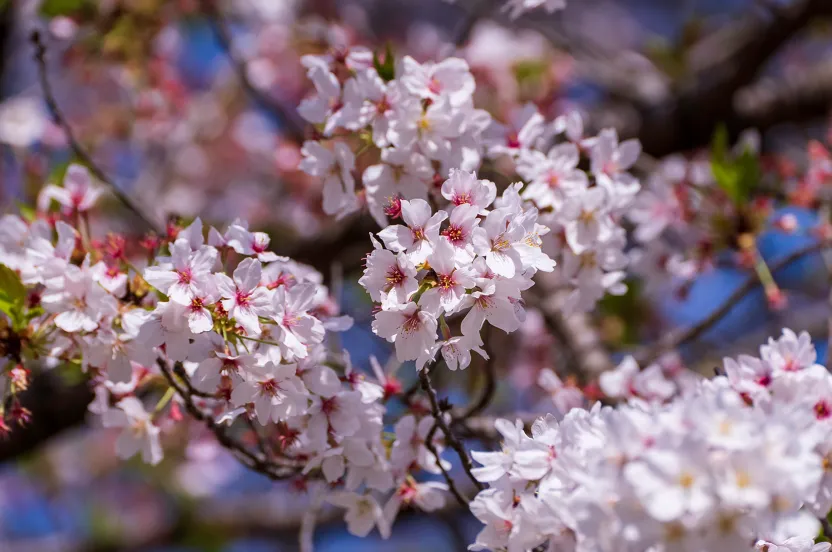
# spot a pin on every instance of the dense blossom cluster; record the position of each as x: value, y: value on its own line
x: 583, y: 208
x: 213, y: 324
x: 419, y: 126
x: 474, y: 261
x: 732, y: 463
x: 250, y: 342
x: 426, y: 133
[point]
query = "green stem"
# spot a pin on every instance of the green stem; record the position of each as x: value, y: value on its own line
x: 164, y: 400
x: 263, y: 341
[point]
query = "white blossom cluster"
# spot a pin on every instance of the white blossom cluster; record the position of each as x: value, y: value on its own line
x: 420, y: 124
x: 738, y: 462
x: 582, y: 208
x: 473, y: 260
x: 250, y: 343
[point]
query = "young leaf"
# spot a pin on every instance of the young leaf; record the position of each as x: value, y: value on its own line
x: 735, y: 175
x: 11, y: 286
x: 387, y: 69
x: 12, y: 295
x: 54, y: 8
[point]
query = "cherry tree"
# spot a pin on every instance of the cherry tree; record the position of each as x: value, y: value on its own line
x: 322, y: 183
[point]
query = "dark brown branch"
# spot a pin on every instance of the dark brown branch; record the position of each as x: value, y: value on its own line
x: 438, y: 415
x: 461, y: 498
x: 490, y: 387
x: 770, y: 102
x: 675, y: 339
x: 77, y: 148
x: 585, y: 354
x: 722, y: 64
x: 291, y: 123
x: 256, y: 461
x: 55, y: 407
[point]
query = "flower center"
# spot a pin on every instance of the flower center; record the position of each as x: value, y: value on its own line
x: 822, y: 410
x: 269, y: 387
x: 446, y: 281
x: 412, y: 323
x: 434, y: 86
x: 185, y: 276
x: 394, y: 277
x: 462, y: 199
x: 242, y: 298
x: 455, y: 234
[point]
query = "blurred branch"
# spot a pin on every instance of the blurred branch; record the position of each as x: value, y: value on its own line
x: 79, y: 151
x: 55, y: 407
x: 462, y: 32
x: 584, y: 350
x: 632, y: 79
x: 803, y: 96
x: 490, y: 387
x: 287, y: 116
x: 348, y: 244
x: 673, y: 340
x: 720, y: 65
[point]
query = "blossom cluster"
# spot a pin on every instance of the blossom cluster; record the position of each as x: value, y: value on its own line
x: 474, y: 261
x: 247, y: 342
x: 583, y: 208
x: 731, y: 463
x: 418, y: 126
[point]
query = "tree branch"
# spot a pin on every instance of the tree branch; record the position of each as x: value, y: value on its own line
x: 256, y: 461
x: 55, y: 407
x: 770, y: 102
x: 453, y: 441
x: 722, y: 63
x: 290, y: 122
x: 77, y: 148
x: 672, y: 340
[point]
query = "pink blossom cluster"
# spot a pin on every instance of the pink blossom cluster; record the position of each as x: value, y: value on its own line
x: 418, y: 126
x: 584, y: 209
x: 737, y: 462
x: 249, y: 341
x: 475, y: 260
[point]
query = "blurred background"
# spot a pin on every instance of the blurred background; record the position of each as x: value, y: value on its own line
x: 153, y: 89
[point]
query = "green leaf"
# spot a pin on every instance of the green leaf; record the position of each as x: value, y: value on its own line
x: 12, y: 295
x: 726, y: 178
x: 26, y: 211
x: 719, y: 143
x: 54, y: 8
x: 10, y: 285
x: 737, y: 176
x: 387, y: 69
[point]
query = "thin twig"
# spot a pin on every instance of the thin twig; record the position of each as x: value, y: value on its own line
x: 462, y: 31
x: 256, y: 461
x: 490, y: 387
x: 291, y: 124
x: 463, y: 501
x: 453, y: 441
x: 673, y: 340
x: 77, y: 148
